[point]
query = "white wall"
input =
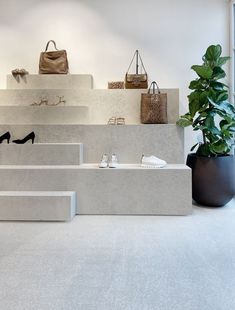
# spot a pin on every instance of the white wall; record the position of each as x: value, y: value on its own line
x: 100, y: 36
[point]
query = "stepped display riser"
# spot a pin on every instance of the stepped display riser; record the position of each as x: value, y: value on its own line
x: 102, y: 103
x: 110, y: 191
x: 41, y: 154
x: 80, y: 118
x: 50, y: 81
x: 128, y: 142
x: 37, y: 206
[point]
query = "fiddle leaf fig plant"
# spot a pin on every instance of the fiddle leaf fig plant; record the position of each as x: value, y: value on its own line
x: 209, y: 108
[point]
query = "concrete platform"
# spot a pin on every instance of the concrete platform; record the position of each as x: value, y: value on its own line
x: 44, y: 114
x: 129, y: 142
x: 128, y: 190
x: 37, y: 205
x: 51, y: 81
x: 102, y: 103
x: 41, y: 154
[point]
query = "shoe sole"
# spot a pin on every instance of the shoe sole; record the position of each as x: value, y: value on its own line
x: 152, y: 166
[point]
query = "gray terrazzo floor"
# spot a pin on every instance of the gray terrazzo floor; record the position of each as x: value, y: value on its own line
x: 120, y: 263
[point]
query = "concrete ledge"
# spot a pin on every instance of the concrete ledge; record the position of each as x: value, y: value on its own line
x: 44, y: 114
x: 37, y: 205
x: 128, y: 190
x: 129, y: 142
x: 41, y: 154
x: 102, y: 103
x: 51, y: 81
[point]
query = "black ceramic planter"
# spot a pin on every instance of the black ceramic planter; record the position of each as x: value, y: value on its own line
x: 213, y: 179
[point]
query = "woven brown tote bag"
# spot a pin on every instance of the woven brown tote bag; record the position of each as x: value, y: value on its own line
x: 154, y: 106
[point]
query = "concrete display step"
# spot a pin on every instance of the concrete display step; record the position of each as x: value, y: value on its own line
x: 44, y: 115
x: 37, y: 205
x: 50, y: 81
x: 41, y: 154
x: 102, y: 104
x: 129, y: 142
x: 127, y: 190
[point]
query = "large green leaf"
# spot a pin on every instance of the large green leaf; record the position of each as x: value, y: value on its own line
x: 218, y: 85
x: 219, y: 147
x: 196, y: 84
x: 213, y: 52
x: 221, y: 96
x: 209, y: 122
x: 222, y: 60
x: 182, y: 122
x: 226, y: 106
x: 204, y: 72
x: 193, y: 147
x: 194, y: 106
x: 194, y: 96
x: 218, y: 73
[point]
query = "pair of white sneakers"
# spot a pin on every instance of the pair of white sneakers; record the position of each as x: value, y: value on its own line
x: 105, y: 162
x: 146, y: 162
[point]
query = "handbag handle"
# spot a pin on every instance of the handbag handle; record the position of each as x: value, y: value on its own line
x: 49, y: 43
x: 137, y: 55
x: 155, y: 86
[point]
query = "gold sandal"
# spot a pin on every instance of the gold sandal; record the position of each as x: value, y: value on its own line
x: 112, y: 121
x: 120, y: 120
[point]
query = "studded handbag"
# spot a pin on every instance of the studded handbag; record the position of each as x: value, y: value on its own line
x: 137, y: 80
x: 154, y: 106
x: 53, y: 62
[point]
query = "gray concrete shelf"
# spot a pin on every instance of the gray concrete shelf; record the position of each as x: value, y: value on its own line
x: 126, y: 190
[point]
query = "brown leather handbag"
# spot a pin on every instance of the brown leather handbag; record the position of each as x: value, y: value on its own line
x: 53, y: 62
x: 137, y: 80
x: 153, y: 106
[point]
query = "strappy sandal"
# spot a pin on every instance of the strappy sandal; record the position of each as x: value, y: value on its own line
x: 112, y: 121
x: 23, y: 72
x: 15, y: 72
x: 120, y: 121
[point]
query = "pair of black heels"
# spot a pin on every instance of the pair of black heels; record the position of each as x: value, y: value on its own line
x: 7, y: 136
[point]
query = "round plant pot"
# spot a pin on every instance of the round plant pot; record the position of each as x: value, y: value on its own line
x: 213, y: 179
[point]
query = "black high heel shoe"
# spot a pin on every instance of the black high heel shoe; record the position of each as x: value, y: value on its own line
x: 30, y: 136
x: 6, y: 136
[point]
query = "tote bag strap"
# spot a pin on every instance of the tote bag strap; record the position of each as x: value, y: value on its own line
x: 154, y: 86
x: 137, y: 55
x: 51, y: 41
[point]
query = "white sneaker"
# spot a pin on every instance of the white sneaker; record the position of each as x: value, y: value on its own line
x: 152, y: 162
x: 104, y: 161
x: 114, y: 162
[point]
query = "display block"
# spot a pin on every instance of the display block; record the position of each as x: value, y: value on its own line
x: 44, y: 115
x: 102, y: 104
x: 128, y: 142
x: 50, y: 81
x: 41, y: 154
x: 37, y: 205
x: 129, y: 189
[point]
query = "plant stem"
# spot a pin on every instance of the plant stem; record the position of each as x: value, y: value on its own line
x: 204, y: 137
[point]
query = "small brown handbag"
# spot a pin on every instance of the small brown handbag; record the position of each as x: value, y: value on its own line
x: 153, y: 106
x: 136, y: 81
x: 116, y: 85
x: 53, y: 62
